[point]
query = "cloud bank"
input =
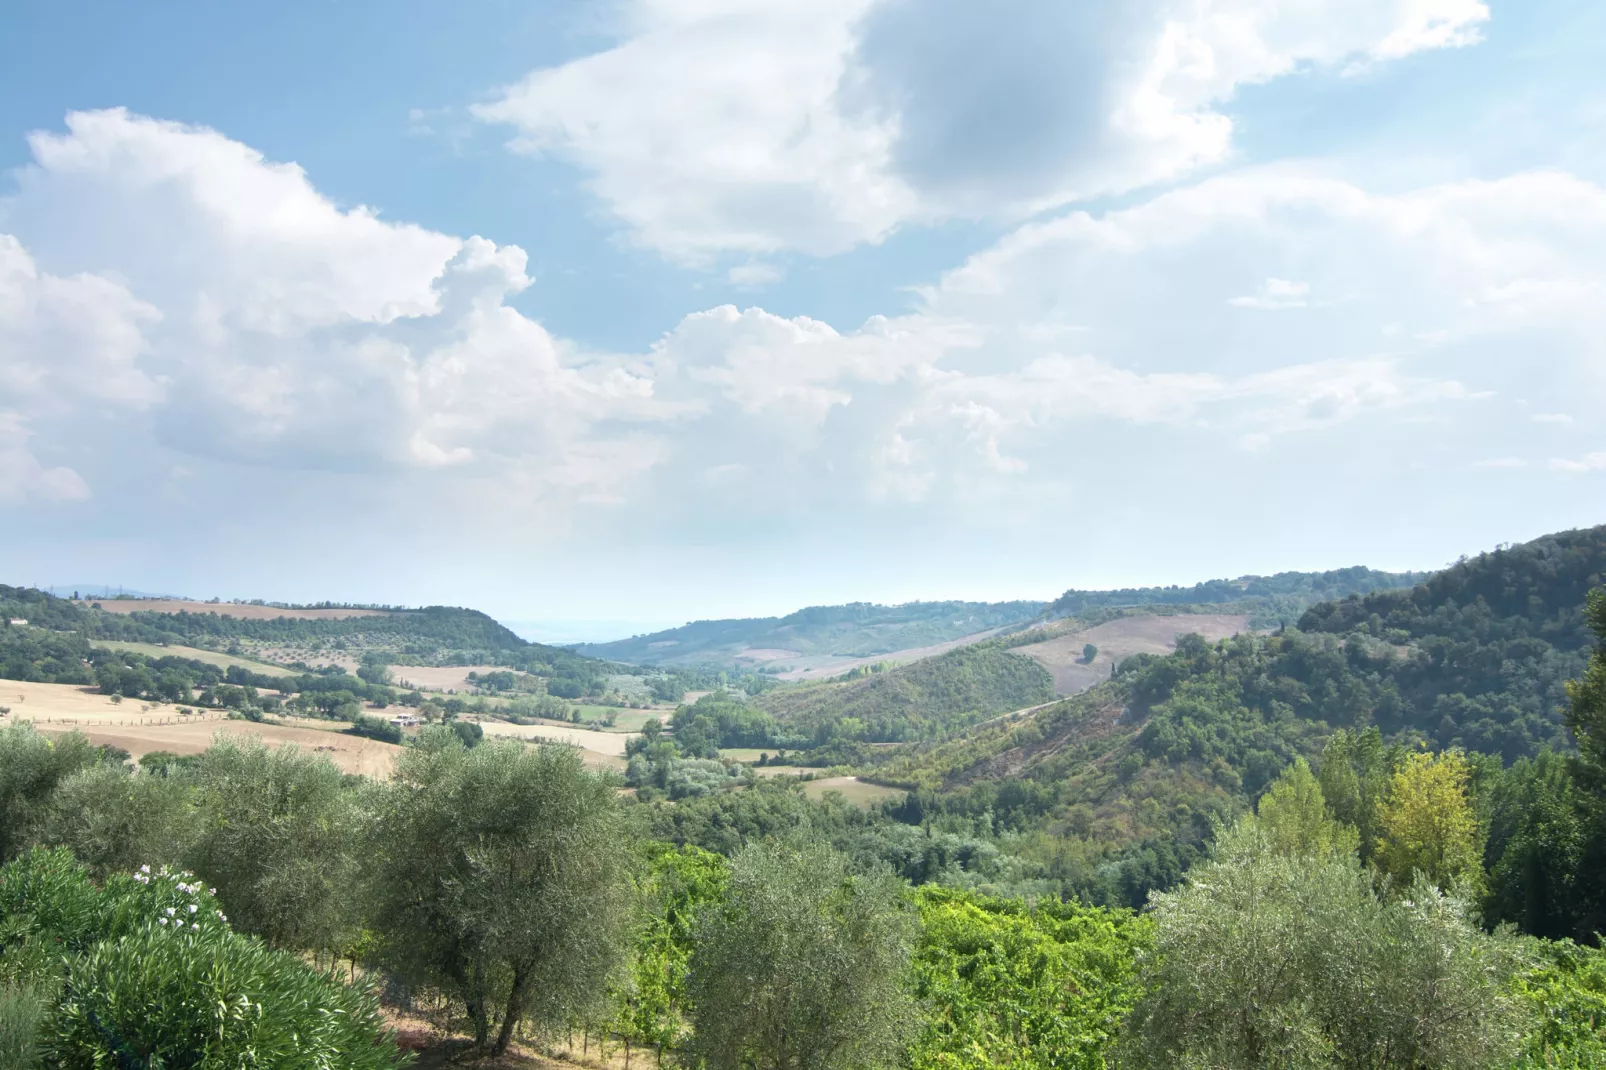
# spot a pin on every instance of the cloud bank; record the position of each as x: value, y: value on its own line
x: 168, y: 296
x: 757, y: 126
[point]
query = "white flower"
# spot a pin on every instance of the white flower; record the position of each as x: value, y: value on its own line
x: 193, y: 908
x: 171, y: 911
x: 211, y: 891
x: 144, y: 869
x: 195, y: 926
x: 161, y: 921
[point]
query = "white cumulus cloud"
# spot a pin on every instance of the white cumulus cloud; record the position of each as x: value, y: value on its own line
x: 253, y: 319
x: 816, y: 125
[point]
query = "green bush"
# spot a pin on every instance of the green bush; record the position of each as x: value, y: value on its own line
x: 210, y: 998
x: 150, y: 974
x: 375, y: 728
x: 1566, y: 991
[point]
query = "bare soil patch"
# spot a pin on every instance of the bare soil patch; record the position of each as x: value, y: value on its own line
x: 241, y: 610
x: 1120, y: 639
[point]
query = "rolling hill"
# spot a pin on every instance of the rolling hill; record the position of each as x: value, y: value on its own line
x: 821, y: 641
x: 855, y: 630
x: 1115, y: 790
x: 298, y: 635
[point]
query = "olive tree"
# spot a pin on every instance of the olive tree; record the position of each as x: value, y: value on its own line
x: 1271, y: 958
x: 115, y: 820
x: 278, y: 837
x: 803, y: 966
x: 500, y: 876
x: 32, y: 765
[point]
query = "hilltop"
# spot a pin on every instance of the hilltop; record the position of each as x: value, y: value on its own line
x: 819, y: 641
x: 816, y: 635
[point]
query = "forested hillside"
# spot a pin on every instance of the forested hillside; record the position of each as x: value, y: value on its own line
x: 1117, y: 789
x: 1268, y: 599
x: 926, y: 700
x: 859, y: 629
x: 433, y: 635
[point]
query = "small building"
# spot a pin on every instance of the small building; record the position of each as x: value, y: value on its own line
x: 406, y: 720
x: 18, y: 622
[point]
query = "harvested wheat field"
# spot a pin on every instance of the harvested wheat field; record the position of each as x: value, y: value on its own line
x: 71, y: 702
x: 860, y: 793
x: 1118, y: 639
x: 241, y: 610
x: 141, y: 727
x: 600, y: 750
x: 601, y: 742
x: 439, y: 677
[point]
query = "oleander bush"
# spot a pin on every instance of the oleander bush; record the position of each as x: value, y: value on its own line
x: 145, y: 971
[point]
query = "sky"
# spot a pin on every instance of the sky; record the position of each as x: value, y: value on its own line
x: 638, y: 312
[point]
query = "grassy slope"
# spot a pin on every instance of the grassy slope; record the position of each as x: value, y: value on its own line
x: 919, y: 701
x: 210, y: 657
x: 859, y: 629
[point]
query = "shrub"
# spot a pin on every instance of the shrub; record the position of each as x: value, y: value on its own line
x: 1566, y: 990
x: 151, y: 974
x: 210, y: 998
x: 375, y: 728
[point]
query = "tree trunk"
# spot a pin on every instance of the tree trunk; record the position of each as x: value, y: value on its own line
x: 515, y: 1011
x: 482, y: 1028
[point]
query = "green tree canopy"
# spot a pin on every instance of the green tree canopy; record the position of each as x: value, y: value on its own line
x: 802, y: 966
x: 501, y: 876
x: 1266, y: 960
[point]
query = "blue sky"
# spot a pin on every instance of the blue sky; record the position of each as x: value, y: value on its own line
x: 649, y: 311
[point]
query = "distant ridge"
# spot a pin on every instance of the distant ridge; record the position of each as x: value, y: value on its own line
x: 857, y: 629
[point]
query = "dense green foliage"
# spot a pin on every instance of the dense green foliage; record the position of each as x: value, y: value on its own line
x: 925, y: 700
x: 478, y: 863
x: 1282, y: 596
x: 145, y: 970
x: 801, y: 964
x: 859, y: 629
x: 1042, y: 986
x: 500, y: 878
x: 1266, y: 958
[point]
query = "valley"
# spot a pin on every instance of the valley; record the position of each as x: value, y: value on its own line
x: 1093, y: 754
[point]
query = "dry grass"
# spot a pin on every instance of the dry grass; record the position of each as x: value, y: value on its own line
x: 611, y: 743
x: 858, y: 792
x: 821, y: 667
x: 224, y: 609
x: 1119, y: 639
x: 439, y: 678
x: 210, y: 657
